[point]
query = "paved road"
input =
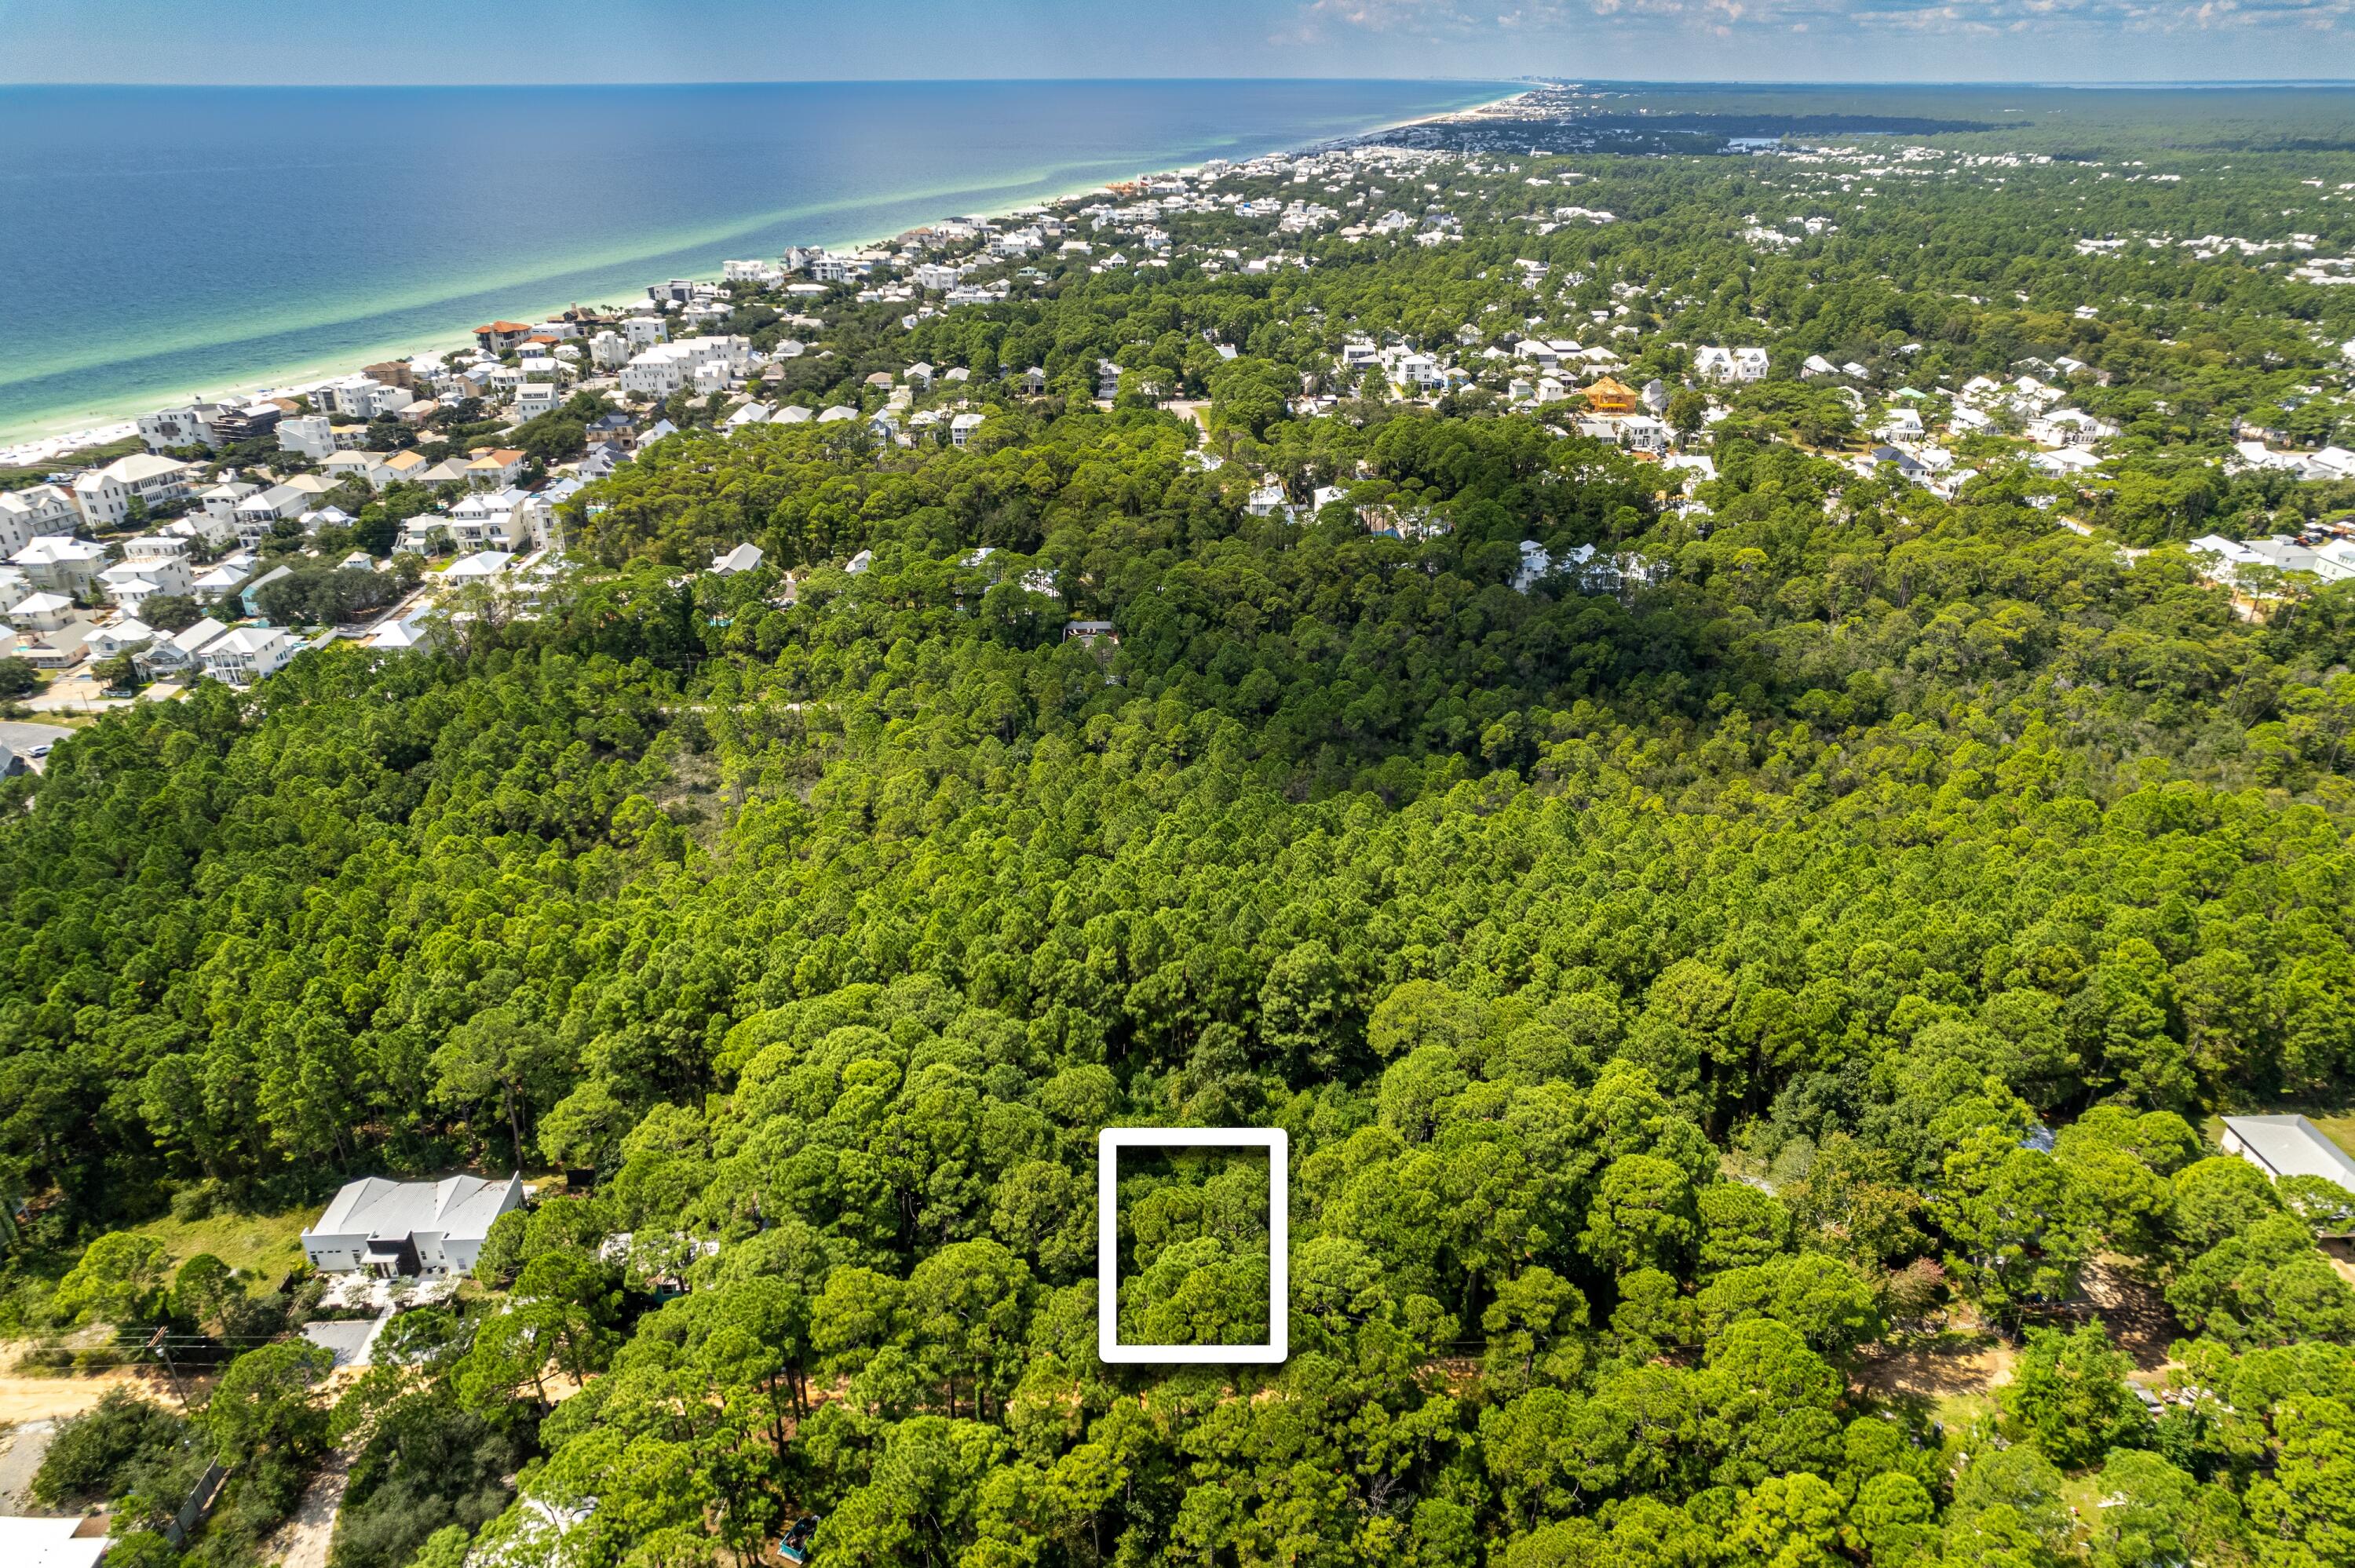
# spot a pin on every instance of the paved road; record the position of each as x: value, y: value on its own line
x: 21, y: 738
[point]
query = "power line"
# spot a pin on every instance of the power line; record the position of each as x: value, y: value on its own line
x: 163, y: 1351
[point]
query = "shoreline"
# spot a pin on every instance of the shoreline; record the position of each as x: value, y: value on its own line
x: 40, y: 440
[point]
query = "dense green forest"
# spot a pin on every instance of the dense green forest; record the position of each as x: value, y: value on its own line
x: 1680, y: 999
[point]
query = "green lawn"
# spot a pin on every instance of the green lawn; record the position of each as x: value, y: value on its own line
x: 1957, y: 1411
x: 2084, y: 1493
x: 2337, y: 1120
x: 269, y: 1245
x: 2339, y: 1128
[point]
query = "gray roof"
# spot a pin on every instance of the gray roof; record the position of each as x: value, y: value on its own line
x: 2286, y: 553
x: 459, y: 1208
x: 2294, y: 1145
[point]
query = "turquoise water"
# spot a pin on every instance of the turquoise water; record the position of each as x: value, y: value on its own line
x: 159, y: 242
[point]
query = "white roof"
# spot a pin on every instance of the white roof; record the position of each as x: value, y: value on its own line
x: 141, y: 466
x: 481, y: 564
x: 48, y: 1543
x: 195, y: 638
x: 2293, y: 1146
x: 248, y: 640
x: 41, y: 604
x: 459, y: 1208
x: 742, y: 558
x: 34, y: 498
x: 399, y: 634
x: 128, y: 629
x: 46, y: 548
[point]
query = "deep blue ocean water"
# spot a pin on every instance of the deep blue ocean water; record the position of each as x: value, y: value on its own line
x: 158, y: 242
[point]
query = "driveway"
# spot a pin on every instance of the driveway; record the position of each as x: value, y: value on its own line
x: 349, y: 1341
x: 20, y: 1455
x: 302, y: 1541
x: 74, y: 694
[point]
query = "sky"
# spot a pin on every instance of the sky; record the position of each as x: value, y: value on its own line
x: 319, y: 42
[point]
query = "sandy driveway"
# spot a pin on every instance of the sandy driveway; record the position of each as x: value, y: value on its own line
x: 301, y: 1541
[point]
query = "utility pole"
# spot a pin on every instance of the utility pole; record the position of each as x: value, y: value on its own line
x: 164, y: 1353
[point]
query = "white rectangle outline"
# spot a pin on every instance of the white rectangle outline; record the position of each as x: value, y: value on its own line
x: 1278, y: 1144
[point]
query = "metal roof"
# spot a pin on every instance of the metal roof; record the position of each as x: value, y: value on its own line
x: 2294, y: 1145
x: 459, y: 1208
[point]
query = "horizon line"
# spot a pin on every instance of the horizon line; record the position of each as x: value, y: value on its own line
x: 2081, y: 84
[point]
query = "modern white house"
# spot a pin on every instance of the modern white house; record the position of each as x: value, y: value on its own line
x: 1713, y: 362
x: 220, y: 506
x: 1267, y: 500
x: 245, y: 655
x: 60, y: 563
x: 257, y: 512
x: 661, y: 370
x: 128, y: 633
x: 2069, y: 427
x: 132, y: 583
x: 410, y: 1227
x: 26, y: 514
x: 105, y: 494
x: 354, y: 464
x: 358, y: 398
x: 2287, y: 1146
x: 480, y: 566
x: 190, y: 424
x: 226, y: 574
x: 41, y: 612
x: 312, y: 435
x: 512, y: 520
x: 415, y: 632
x: 178, y: 653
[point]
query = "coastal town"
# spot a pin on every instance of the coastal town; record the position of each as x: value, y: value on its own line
x: 221, y: 538
x: 1708, y: 755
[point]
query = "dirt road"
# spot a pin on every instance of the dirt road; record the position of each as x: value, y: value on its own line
x: 301, y: 1541
x: 51, y: 1398
x: 20, y: 1455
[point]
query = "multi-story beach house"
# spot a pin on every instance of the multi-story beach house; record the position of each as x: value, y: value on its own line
x: 104, y: 495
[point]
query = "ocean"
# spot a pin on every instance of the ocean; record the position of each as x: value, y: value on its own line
x: 157, y: 243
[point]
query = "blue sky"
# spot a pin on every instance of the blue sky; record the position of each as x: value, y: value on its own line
x: 692, y: 40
